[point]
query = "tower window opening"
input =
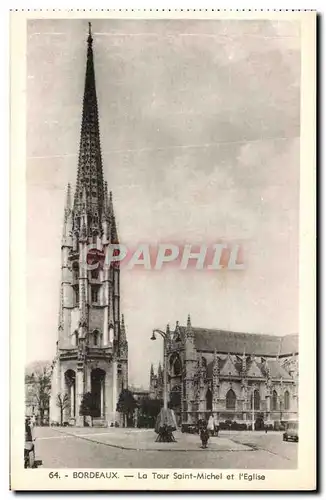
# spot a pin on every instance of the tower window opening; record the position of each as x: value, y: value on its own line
x: 96, y: 338
x: 111, y: 333
x: 77, y: 297
x: 75, y: 271
x: 94, y: 295
x: 94, y: 274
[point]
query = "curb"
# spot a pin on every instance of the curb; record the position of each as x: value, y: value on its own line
x: 153, y: 449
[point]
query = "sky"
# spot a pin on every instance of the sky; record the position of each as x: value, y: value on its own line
x: 200, y: 135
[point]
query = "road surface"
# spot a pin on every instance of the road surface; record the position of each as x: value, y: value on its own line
x: 58, y: 448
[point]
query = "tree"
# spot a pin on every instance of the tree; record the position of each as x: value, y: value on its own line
x: 88, y: 407
x: 62, y: 403
x: 38, y: 380
x: 126, y: 405
x: 150, y: 407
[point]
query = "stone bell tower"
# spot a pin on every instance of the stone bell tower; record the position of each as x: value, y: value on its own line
x: 92, y: 348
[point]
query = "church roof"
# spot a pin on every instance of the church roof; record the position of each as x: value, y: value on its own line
x: 276, y: 370
x: 251, y: 343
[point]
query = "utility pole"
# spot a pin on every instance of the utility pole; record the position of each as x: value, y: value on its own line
x: 253, y: 410
x: 165, y: 380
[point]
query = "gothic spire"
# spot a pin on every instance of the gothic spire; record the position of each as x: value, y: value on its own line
x: 67, y: 220
x: 177, y: 335
x: 189, y: 330
x: 68, y: 203
x: 90, y: 172
x: 123, y: 344
x: 61, y: 315
x: 105, y: 213
x: 216, y: 366
x: 244, y: 362
x: 114, y: 232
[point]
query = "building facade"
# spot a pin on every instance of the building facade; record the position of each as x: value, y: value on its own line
x: 236, y: 376
x: 156, y: 382
x: 92, y: 348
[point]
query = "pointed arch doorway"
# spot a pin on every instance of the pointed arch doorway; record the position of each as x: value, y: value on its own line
x: 98, y: 391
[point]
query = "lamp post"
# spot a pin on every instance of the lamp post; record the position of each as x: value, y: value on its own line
x: 253, y: 409
x: 165, y: 380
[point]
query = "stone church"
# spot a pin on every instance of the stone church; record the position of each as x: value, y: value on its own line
x: 92, y: 348
x: 235, y: 376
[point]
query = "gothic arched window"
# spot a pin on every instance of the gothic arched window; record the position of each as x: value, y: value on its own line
x: 75, y: 338
x: 75, y: 271
x: 177, y: 367
x: 94, y: 273
x: 96, y: 337
x: 274, y: 401
x: 94, y: 295
x: 255, y: 400
x: 111, y: 333
x: 77, y: 296
x: 286, y: 400
x: 209, y: 400
x: 230, y: 400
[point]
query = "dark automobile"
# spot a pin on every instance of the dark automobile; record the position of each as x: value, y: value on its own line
x: 291, y: 432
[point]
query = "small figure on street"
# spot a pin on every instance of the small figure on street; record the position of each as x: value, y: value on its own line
x: 210, y: 425
x: 203, y: 432
x: 216, y: 426
x: 32, y: 421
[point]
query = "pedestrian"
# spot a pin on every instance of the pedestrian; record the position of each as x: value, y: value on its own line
x: 216, y: 426
x: 203, y: 432
x: 210, y: 425
x: 32, y: 421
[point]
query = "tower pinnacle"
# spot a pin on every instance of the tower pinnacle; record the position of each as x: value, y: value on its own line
x: 90, y: 171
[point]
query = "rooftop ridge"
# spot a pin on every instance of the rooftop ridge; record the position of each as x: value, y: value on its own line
x: 220, y: 330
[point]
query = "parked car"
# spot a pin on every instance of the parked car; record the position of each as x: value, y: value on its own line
x: 292, y: 432
x: 189, y: 428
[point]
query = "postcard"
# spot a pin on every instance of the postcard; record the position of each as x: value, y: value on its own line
x: 163, y: 170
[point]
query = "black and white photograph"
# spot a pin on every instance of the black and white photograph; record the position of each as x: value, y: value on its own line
x: 162, y: 222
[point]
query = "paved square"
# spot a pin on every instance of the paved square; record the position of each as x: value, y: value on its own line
x: 136, y: 448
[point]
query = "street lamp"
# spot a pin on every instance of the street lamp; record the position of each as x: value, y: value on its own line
x: 252, y: 409
x: 165, y: 365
